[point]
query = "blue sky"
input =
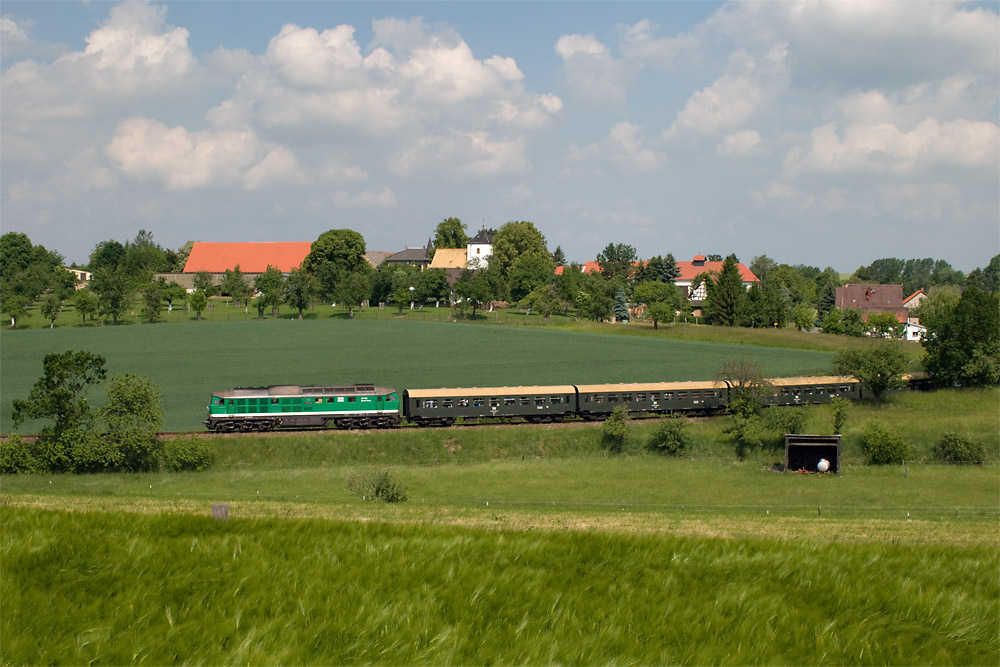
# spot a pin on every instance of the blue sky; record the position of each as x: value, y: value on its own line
x: 830, y: 134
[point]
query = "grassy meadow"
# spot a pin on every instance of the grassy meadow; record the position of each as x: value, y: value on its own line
x: 518, y: 544
x: 188, y: 362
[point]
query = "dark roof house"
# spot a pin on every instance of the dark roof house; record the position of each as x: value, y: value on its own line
x: 870, y: 298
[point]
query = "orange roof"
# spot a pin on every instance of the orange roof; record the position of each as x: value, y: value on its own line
x: 689, y: 270
x: 252, y: 257
x: 450, y: 258
x: 586, y: 267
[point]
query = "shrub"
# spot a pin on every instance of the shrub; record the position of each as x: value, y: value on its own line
x: 615, y: 431
x: 786, y: 420
x: 17, y: 456
x: 881, y: 445
x: 840, y: 408
x: 955, y: 448
x: 192, y: 453
x: 90, y: 452
x: 668, y: 437
x: 378, y: 486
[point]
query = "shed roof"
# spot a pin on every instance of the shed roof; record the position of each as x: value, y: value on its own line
x: 217, y: 257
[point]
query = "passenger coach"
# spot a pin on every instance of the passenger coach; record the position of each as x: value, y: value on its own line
x: 597, y: 401
x: 444, y: 406
x: 265, y: 408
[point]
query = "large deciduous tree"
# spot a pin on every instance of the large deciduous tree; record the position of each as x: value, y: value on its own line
x: 617, y: 260
x: 878, y: 367
x: 300, y: 288
x: 131, y: 417
x: 334, y: 256
x: 60, y: 394
x: 271, y: 287
x: 963, y: 344
x: 513, y: 241
x: 450, y: 233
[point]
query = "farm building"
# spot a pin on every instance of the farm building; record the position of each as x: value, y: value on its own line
x: 870, y: 298
x: 699, y: 264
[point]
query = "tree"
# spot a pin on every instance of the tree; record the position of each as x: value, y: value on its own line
x: 512, y: 241
x: 878, y: 367
x: 450, y: 233
x: 669, y: 437
x: 885, y: 325
x: 353, y: 289
x: 432, y: 284
x: 114, y: 292
x: 199, y: 301
x: 60, y: 394
x: 621, y: 306
x: 749, y: 388
x: 987, y: 279
x: 271, y: 286
x: 853, y: 322
x: 558, y: 256
x: 617, y: 260
x: 15, y: 254
x: 726, y: 295
x: 765, y: 305
x: 963, y: 345
x: 203, y: 281
x: 132, y: 416
x: 51, y: 307
x: 236, y: 285
x: 333, y: 256
x: 152, y: 301
x: 299, y: 289
x: 15, y: 305
x: 833, y: 322
x: 543, y: 300
x: 615, y: 430
x: 662, y: 300
x: 937, y: 307
x: 171, y: 292
x: 528, y: 273
x: 803, y: 316
x: 85, y: 302
x: 594, y: 298
x: 473, y: 287
x: 762, y: 266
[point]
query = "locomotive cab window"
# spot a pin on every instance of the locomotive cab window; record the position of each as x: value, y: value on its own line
x: 274, y: 401
x: 216, y: 401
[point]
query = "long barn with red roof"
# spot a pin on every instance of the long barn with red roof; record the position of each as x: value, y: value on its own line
x: 251, y: 257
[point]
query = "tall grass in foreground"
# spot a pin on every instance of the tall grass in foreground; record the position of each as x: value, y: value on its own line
x: 124, y: 589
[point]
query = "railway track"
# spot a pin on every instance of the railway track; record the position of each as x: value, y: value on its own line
x: 170, y: 435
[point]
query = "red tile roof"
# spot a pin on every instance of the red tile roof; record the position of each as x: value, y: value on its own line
x: 689, y: 270
x: 586, y: 267
x: 252, y: 257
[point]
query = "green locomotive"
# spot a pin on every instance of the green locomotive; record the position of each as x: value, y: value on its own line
x: 292, y: 406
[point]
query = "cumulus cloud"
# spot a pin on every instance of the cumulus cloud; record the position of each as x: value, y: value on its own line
x: 738, y: 144
x: 926, y: 202
x: 384, y: 199
x: 591, y: 71
x: 624, y: 148
x: 735, y: 97
x: 13, y: 37
x: 279, y: 167
x: 461, y: 155
x: 181, y: 160
x: 885, y: 148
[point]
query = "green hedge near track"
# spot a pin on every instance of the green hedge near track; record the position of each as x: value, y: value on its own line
x: 189, y: 362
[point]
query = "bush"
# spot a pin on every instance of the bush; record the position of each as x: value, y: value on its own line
x: 840, y: 409
x: 881, y: 445
x: 192, y: 453
x: 614, y: 431
x: 90, y: 452
x: 784, y: 420
x: 955, y: 448
x: 378, y: 486
x: 668, y: 437
x: 17, y: 456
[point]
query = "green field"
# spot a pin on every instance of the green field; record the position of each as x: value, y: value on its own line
x: 517, y: 545
x: 190, y: 361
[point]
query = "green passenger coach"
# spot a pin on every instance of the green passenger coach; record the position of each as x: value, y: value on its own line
x: 292, y: 406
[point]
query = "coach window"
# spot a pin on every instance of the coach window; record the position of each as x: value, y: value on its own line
x: 555, y: 400
x: 430, y: 403
x: 668, y: 395
x: 540, y: 400
x: 509, y: 401
x: 447, y: 403
x: 640, y: 398
x: 478, y: 402
x: 494, y: 402
x: 682, y: 394
x: 525, y: 400
x: 627, y: 398
x: 612, y: 398
x: 598, y: 398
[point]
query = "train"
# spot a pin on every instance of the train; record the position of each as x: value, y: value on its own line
x: 364, y: 406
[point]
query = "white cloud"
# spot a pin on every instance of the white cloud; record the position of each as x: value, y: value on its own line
x: 181, y: 160
x: 519, y: 194
x: 461, y: 155
x: 925, y: 202
x: 279, y: 167
x: 366, y: 199
x: 624, y: 148
x: 885, y: 148
x: 739, y: 144
x: 591, y: 71
x: 13, y: 37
